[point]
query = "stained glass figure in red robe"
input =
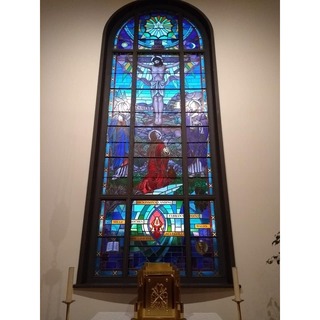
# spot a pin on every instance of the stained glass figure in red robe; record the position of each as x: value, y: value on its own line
x: 158, y: 175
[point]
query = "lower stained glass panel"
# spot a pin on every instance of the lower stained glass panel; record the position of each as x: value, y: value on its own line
x: 110, y: 244
x: 157, y: 234
x: 204, y: 246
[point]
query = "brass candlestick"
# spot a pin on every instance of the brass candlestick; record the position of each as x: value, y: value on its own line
x: 68, y: 308
x: 239, y: 308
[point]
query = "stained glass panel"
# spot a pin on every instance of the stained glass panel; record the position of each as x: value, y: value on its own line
x: 198, y: 150
x: 116, y: 121
x: 166, y: 134
x: 124, y: 37
x: 141, y: 149
x: 161, y: 171
x: 200, y: 186
x: 158, y: 72
x: 110, y: 244
x: 169, y: 119
x: 121, y: 72
x: 119, y: 102
x: 194, y: 69
x: 158, y: 30
x: 204, y: 248
x: 157, y: 234
x: 191, y: 36
x: 116, y: 153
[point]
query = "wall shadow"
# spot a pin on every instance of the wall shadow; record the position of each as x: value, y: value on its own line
x: 273, y: 310
x: 51, y: 280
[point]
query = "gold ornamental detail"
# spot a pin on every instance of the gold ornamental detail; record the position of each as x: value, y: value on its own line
x: 159, y: 297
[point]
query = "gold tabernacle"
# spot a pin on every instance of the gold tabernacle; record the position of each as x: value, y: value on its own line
x: 158, y: 293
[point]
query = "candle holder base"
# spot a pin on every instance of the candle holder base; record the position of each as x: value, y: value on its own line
x: 68, y: 307
x: 239, y: 308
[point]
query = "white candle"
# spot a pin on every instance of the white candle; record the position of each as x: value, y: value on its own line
x: 70, y: 284
x: 236, y: 284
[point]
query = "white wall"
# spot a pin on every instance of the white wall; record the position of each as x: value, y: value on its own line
x: 247, y: 49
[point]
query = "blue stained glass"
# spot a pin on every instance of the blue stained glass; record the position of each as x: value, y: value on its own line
x: 204, y: 100
x: 121, y: 71
x: 117, y: 142
x: 111, y: 97
x: 197, y: 138
x: 118, y: 119
x: 110, y: 243
x: 195, y: 76
x: 204, y: 248
x: 191, y: 36
x: 168, y: 118
x: 168, y: 106
x: 203, y: 72
x: 156, y: 234
x: 124, y: 37
x: 158, y: 31
x: 200, y: 218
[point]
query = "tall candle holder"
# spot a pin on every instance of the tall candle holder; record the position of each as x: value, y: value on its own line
x: 68, y: 303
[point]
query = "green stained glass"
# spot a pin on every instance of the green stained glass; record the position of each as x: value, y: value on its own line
x: 157, y: 234
x: 158, y: 30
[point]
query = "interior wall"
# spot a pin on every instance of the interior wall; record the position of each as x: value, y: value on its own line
x: 247, y: 52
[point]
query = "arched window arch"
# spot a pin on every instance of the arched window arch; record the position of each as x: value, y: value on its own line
x: 157, y: 188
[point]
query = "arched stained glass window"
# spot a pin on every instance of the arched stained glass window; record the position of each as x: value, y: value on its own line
x: 157, y: 189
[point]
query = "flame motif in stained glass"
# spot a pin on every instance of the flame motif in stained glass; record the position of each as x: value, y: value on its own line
x: 158, y: 27
x: 156, y: 224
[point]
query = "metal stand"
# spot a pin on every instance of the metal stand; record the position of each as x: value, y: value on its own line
x: 239, y: 308
x: 68, y: 308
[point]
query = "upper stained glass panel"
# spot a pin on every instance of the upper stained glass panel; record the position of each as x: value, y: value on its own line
x: 191, y: 36
x: 124, y: 37
x: 158, y: 30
